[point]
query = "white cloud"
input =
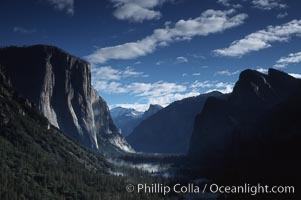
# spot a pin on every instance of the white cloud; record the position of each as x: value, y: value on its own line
x: 169, y: 98
x: 130, y: 72
x: 226, y: 73
x: 210, y: 21
x: 262, y: 70
x: 156, y: 89
x: 162, y: 93
x: 198, y: 56
x: 22, y: 30
x: 268, y: 4
x: 282, y: 15
x: 105, y: 73
x: 228, y: 4
x: 163, y: 100
x: 223, y: 87
x: 196, y: 74
x: 109, y: 73
x: 295, y: 75
x: 160, y: 62
x: 262, y: 39
x: 224, y: 2
x: 285, y: 61
x: 181, y: 59
x: 137, y: 10
x: 63, y: 5
x: 204, y: 84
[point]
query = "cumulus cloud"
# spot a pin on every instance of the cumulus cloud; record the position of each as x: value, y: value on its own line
x: 156, y: 89
x: 226, y: 73
x: 268, y: 4
x: 63, y: 5
x: 209, y: 22
x: 204, y: 84
x: 285, y: 61
x: 169, y: 98
x: 137, y: 10
x: 261, y: 39
x: 22, y: 30
x: 108, y: 73
x: 223, y: 87
x: 160, y: 92
x: 181, y: 59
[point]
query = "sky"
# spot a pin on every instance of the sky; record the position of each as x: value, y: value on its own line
x: 158, y: 51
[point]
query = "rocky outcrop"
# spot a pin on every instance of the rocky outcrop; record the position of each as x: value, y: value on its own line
x: 236, y: 136
x: 60, y: 85
x: 105, y: 126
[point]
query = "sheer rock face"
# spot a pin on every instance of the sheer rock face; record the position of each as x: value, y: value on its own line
x: 225, y: 124
x: 60, y: 86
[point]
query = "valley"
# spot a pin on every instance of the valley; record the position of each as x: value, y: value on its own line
x: 59, y: 139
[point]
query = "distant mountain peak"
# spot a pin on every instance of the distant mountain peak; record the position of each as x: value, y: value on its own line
x: 169, y: 129
x: 121, y: 111
x: 154, y: 107
x: 128, y: 118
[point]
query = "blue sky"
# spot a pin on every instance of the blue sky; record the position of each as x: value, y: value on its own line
x: 159, y: 51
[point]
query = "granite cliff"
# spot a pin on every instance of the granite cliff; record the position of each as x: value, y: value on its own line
x: 60, y: 86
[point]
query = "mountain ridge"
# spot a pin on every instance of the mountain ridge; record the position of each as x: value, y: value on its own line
x: 128, y: 118
x: 228, y: 140
x: 169, y: 130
